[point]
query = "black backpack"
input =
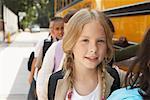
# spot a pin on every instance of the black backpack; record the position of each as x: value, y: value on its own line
x: 114, y: 73
x: 59, y: 75
x: 30, y: 60
x: 47, y: 44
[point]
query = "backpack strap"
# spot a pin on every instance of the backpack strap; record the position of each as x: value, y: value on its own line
x: 46, y: 45
x: 114, y: 73
x: 53, y: 83
x: 30, y: 60
x: 59, y: 75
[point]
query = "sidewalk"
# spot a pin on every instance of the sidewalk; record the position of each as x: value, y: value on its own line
x: 13, y: 65
x: 13, y: 71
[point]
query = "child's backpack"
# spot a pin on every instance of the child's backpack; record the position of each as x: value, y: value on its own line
x: 30, y: 60
x: 47, y: 44
x: 114, y: 73
x: 59, y: 75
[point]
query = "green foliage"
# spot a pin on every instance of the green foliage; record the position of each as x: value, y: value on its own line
x: 30, y: 17
x: 36, y: 10
x: 18, y: 5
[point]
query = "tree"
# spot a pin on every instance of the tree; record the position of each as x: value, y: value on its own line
x: 37, y: 11
x: 18, y: 5
x: 43, y: 12
x: 30, y: 17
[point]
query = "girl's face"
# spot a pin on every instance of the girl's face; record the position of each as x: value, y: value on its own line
x: 90, y: 49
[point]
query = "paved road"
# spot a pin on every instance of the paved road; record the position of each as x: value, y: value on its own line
x: 13, y: 65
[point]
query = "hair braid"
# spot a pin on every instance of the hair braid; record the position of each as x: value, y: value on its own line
x: 68, y: 68
x: 101, y: 69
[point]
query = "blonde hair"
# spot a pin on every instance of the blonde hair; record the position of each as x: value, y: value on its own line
x: 73, y: 31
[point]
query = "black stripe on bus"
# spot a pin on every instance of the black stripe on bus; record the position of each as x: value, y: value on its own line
x: 142, y: 8
x: 69, y: 5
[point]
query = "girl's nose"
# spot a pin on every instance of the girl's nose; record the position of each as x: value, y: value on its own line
x: 93, y: 48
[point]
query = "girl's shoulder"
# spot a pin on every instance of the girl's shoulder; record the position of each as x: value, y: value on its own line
x: 125, y: 94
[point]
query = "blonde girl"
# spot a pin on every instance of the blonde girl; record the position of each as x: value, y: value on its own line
x: 87, y: 44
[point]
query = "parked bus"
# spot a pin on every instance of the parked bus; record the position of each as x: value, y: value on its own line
x: 130, y: 17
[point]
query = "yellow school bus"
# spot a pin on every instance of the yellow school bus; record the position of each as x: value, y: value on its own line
x: 131, y: 18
